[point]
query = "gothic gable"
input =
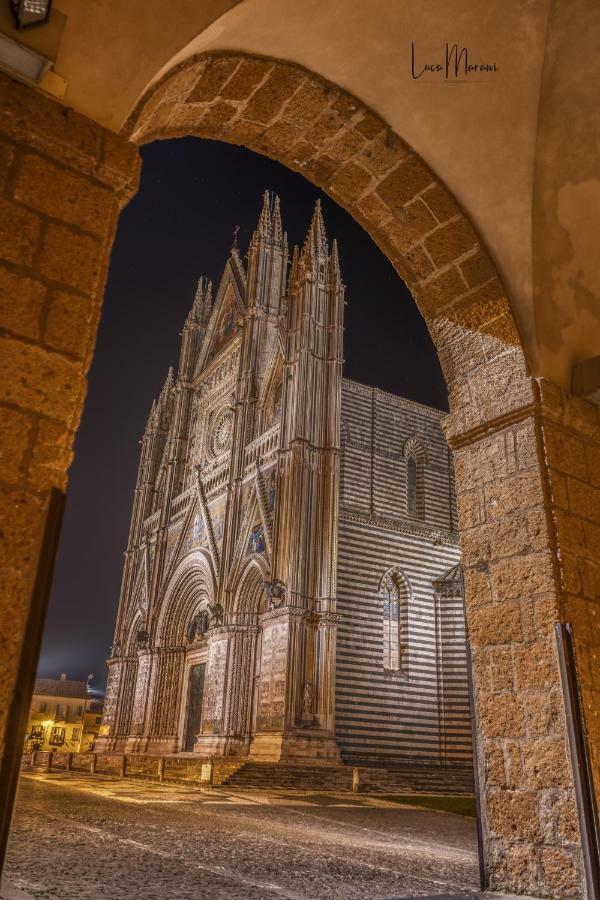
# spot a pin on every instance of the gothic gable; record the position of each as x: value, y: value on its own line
x: 271, y: 399
x: 224, y: 321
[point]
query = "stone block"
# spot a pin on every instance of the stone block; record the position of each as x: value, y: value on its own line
x: 539, y: 713
x: 404, y: 182
x: 213, y: 77
x: 7, y: 154
x: 369, y: 125
x: 15, y: 434
x: 349, y: 183
x: 328, y: 127
x: 280, y: 137
x: 245, y: 79
x: 584, y: 500
x: 62, y: 194
x: 471, y: 508
x: 217, y: 115
x: 500, y: 716
x: 441, y: 203
x: 28, y: 115
x: 451, y: 241
x: 438, y: 292
x: 418, y: 260
x: 68, y: 323
x: 559, y: 872
x: 270, y: 97
x: 494, y: 766
x: 34, y: 379
x: 590, y: 578
x: 21, y: 303
x: 19, y: 233
x: 478, y: 590
x: 495, y: 624
x: 347, y: 146
x: 535, y: 665
x: 513, y: 815
x: 478, y: 268
x: 592, y: 455
x: 546, y: 763
x: 522, y: 491
x: 501, y: 669
x: 565, y: 452
x: 522, y: 576
x: 409, y: 226
x: 380, y: 155
x: 513, y: 764
x: 521, y: 869
x: 71, y: 258
x: 309, y: 102
x: 51, y: 456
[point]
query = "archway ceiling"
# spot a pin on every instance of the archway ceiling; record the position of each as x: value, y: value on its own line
x: 480, y: 138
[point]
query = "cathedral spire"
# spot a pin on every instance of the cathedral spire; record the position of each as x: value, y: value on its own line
x: 277, y: 230
x: 334, y: 263
x: 294, y: 268
x: 315, y: 247
x: 264, y: 223
x: 167, y: 387
x: 199, y: 314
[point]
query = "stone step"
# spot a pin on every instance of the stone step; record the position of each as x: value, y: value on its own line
x: 261, y: 775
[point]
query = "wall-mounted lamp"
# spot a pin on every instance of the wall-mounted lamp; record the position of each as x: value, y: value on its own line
x: 30, y: 12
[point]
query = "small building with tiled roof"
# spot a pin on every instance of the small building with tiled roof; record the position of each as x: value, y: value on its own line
x: 65, y: 715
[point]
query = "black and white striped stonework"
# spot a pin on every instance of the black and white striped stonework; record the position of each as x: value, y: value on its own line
x: 420, y: 713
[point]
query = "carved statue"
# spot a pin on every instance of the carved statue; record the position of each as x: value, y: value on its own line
x: 307, y: 698
x: 215, y: 611
x: 275, y: 591
x: 115, y: 648
x: 198, y: 626
x: 142, y: 639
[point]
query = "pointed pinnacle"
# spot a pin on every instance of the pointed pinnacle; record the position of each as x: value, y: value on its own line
x: 316, y: 234
x: 151, y: 420
x: 335, y: 260
x: 295, y: 265
x: 264, y: 223
x: 276, y: 223
x: 166, y: 387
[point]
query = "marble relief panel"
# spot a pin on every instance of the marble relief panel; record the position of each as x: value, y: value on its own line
x: 273, y: 666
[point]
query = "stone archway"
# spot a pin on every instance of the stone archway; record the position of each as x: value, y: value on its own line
x: 498, y: 425
x: 525, y: 453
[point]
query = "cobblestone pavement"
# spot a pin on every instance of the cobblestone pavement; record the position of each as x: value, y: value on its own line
x: 83, y: 837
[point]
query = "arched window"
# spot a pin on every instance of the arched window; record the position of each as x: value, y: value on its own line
x: 411, y: 486
x: 395, y: 594
x: 414, y: 454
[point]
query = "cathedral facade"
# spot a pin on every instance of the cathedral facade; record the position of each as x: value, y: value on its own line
x: 291, y: 587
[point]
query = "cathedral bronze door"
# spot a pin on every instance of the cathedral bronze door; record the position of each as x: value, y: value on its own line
x: 194, y: 705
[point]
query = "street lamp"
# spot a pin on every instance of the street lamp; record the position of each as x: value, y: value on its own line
x: 30, y: 12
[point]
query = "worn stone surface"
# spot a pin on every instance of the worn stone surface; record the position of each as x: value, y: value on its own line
x: 63, y: 181
x: 219, y: 844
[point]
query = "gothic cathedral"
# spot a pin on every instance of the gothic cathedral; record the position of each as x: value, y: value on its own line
x: 291, y: 587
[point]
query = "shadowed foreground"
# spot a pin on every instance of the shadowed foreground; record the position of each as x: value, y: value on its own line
x: 106, y: 838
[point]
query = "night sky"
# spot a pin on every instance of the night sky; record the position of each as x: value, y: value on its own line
x: 178, y: 227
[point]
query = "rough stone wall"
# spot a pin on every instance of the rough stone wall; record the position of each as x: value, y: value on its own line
x: 571, y: 450
x: 63, y: 180
x: 513, y: 600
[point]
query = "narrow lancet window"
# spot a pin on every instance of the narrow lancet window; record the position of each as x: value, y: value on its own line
x: 391, y: 648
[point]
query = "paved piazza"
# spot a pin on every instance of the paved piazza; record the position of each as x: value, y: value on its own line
x: 83, y: 837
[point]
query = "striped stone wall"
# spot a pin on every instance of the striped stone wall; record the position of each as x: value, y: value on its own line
x: 419, y: 714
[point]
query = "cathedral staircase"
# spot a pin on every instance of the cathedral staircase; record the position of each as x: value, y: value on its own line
x: 409, y: 780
